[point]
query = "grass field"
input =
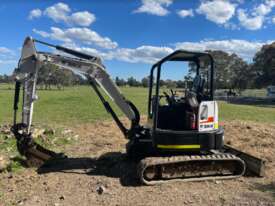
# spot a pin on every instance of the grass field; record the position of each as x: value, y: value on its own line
x: 76, y: 105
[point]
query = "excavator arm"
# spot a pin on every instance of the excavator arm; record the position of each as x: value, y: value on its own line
x: 91, y: 67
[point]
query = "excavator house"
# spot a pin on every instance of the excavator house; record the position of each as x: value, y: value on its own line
x: 182, y: 139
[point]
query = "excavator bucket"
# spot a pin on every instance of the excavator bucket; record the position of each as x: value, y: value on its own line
x: 36, y: 155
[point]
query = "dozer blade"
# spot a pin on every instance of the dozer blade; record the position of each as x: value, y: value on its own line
x: 35, y: 154
x: 254, y: 165
x: 156, y: 170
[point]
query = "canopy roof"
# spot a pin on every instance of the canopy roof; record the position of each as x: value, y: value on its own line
x: 183, y: 55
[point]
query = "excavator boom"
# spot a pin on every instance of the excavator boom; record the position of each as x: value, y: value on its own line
x: 91, y: 67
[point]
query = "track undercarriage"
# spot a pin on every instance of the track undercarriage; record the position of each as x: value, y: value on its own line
x: 156, y: 170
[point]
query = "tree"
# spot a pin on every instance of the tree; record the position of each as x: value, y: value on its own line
x: 50, y: 75
x: 161, y: 83
x: 231, y: 71
x: 132, y: 82
x: 241, y: 76
x: 264, y: 66
x: 6, y: 78
x: 170, y: 83
x: 120, y: 82
x: 145, y: 82
x: 45, y: 74
x: 180, y: 84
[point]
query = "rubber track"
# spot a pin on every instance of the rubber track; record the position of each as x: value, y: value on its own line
x: 150, y: 161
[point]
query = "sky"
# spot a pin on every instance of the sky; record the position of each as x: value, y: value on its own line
x: 131, y: 35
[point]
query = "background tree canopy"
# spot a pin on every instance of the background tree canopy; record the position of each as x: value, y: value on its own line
x: 231, y: 72
x: 264, y: 66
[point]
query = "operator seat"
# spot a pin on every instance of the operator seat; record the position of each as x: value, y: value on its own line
x: 198, y: 87
x: 192, y: 101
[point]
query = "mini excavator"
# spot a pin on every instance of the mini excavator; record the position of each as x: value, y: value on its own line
x: 182, y: 140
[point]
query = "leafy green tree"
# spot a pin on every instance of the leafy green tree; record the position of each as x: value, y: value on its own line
x: 120, y: 82
x: 6, y: 78
x: 264, y: 66
x: 145, y: 82
x: 170, y: 83
x: 132, y: 82
x: 231, y: 71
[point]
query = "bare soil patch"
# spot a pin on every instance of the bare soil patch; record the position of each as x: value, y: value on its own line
x: 98, y: 173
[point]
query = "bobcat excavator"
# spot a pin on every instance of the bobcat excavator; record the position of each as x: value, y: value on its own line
x: 182, y: 140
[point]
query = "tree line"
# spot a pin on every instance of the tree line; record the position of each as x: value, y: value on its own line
x: 231, y: 72
x: 144, y: 82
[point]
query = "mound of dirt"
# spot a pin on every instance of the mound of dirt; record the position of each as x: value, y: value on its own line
x: 254, y: 138
x: 98, y: 173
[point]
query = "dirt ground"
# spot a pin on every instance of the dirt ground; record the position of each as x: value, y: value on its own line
x: 97, y: 173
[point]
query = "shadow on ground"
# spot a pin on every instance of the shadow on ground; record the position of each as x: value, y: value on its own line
x: 270, y: 188
x: 111, y: 164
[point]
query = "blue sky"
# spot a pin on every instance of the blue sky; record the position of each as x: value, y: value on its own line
x: 130, y: 35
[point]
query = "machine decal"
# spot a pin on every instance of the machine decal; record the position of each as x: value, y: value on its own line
x: 207, y: 119
x: 193, y: 146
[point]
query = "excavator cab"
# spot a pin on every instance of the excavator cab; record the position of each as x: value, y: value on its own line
x: 189, y: 122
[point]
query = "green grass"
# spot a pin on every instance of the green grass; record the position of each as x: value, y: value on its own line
x: 246, y: 113
x: 76, y: 105
x: 70, y: 106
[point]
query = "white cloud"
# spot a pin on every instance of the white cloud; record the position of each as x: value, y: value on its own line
x: 184, y: 13
x: 243, y: 48
x: 88, y: 36
x: 262, y: 10
x: 218, y: 11
x: 35, y: 13
x: 151, y: 54
x: 61, y: 12
x: 255, y: 18
x: 41, y: 33
x: 10, y: 61
x: 7, y: 56
x: 221, y: 11
x: 83, y: 18
x: 273, y: 20
x: 251, y: 23
x: 154, y: 7
x: 270, y: 3
x: 82, y: 35
x: 142, y: 54
x: 5, y: 50
x: 58, y: 12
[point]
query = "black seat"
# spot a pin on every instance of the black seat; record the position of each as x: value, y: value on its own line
x: 198, y: 87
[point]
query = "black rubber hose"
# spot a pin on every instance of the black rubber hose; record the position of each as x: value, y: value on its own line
x: 16, y: 95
